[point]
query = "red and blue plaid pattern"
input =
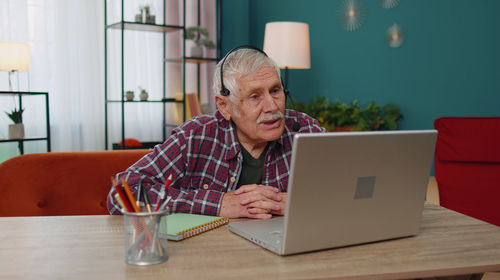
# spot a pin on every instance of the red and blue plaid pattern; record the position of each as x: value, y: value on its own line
x: 204, y: 157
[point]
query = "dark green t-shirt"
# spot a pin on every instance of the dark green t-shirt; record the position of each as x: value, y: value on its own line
x: 251, y: 172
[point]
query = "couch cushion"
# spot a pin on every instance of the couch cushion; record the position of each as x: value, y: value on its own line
x: 468, y: 139
x: 471, y: 189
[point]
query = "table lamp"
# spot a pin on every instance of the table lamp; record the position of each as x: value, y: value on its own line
x: 14, y: 57
x: 287, y: 43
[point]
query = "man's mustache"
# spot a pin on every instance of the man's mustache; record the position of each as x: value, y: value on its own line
x: 270, y: 117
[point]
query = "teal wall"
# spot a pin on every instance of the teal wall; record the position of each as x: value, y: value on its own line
x: 449, y: 64
x: 235, y: 24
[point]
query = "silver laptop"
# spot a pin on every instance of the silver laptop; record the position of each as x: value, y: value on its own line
x: 349, y: 188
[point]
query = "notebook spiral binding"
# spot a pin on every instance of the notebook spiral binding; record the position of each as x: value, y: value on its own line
x: 203, y: 228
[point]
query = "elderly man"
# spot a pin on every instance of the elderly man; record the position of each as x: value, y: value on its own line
x: 234, y: 163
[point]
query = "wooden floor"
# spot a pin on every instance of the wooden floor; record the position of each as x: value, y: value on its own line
x: 432, y: 191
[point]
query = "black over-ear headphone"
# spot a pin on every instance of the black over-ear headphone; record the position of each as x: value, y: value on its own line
x: 225, y: 92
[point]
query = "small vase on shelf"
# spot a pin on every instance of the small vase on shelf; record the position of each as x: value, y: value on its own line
x: 16, y: 131
x: 196, y: 51
x: 129, y: 95
x: 144, y: 95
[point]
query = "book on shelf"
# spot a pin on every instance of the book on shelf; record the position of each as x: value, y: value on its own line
x: 193, y: 107
x: 179, y: 226
x: 194, y: 104
x: 179, y: 109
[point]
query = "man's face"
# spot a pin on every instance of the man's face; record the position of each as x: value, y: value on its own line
x: 258, y: 110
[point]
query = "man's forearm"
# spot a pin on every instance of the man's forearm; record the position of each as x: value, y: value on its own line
x: 197, y: 201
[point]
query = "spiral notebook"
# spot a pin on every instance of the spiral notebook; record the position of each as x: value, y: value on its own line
x: 180, y: 226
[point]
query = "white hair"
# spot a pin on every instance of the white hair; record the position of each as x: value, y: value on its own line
x: 238, y: 64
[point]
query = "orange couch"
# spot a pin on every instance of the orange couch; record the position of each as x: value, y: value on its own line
x: 61, y: 183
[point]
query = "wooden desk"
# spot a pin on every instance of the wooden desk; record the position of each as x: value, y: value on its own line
x: 91, y: 247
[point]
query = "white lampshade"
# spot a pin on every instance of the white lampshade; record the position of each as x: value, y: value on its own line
x: 287, y: 43
x: 14, y: 57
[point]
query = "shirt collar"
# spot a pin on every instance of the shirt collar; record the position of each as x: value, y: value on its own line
x: 231, y: 140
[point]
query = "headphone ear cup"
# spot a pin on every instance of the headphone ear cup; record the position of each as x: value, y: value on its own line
x: 224, y: 92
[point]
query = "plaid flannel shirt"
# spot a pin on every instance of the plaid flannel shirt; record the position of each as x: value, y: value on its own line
x: 204, y: 157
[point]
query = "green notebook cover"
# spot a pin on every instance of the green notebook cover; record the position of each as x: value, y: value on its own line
x: 180, y: 226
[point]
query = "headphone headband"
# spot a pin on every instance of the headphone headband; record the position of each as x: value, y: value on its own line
x: 224, y: 91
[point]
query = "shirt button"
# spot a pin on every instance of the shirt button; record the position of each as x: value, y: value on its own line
x: 205, y: 187
x: 233, y: 179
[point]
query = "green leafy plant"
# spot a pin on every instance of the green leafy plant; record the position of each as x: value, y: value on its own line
x: 352, y: 116
x: 197, y: 34
x: 16, y: 115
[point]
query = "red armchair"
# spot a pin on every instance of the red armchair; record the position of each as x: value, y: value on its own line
x: 66, y: 183
x: 467, y: 166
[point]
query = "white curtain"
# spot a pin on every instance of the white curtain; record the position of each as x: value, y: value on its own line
x: 66, y: 56
x: 66, y: 39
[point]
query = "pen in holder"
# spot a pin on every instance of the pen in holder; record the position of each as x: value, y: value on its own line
x: 143, y: 243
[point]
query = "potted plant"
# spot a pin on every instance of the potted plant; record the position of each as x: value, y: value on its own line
x: 129, y: 95
x: 391, y: 116
x: 16, y: 130
x: 199, y: 36
x: 143, y: 96
x: 339, y: 116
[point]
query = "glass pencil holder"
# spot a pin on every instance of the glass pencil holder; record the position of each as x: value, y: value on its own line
x: 143, y: 243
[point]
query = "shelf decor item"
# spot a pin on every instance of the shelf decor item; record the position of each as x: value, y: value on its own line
x: 16, y: 130
x: 143, y: 96
x: 351, y: 14
x: 394, y: 36
x: 129, y: 95
x: 145, y: 16
x: 138, y: 18
x: 197, y: 34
